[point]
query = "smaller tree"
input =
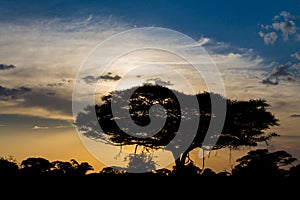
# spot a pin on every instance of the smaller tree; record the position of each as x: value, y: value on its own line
x: 72, y: 168
x: 111, y: 171
x: 36, y: 166
x: 61, y: 168
x: 262, y: 163
x: 294, y: 172
x: 8, y: 167
x: 140, y: 163
x: 82, y: 168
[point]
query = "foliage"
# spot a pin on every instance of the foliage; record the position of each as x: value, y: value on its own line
x: 246, y: 122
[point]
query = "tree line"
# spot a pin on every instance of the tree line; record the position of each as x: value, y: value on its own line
x: 256, y: 163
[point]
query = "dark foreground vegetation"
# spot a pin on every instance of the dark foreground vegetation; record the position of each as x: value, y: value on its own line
x: 247, y: 124
x: 258, y: 163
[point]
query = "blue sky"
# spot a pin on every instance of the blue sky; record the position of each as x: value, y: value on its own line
x: 234, y: 22
x: 46, y: 41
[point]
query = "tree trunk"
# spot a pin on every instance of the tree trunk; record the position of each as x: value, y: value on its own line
x: 180, y: 162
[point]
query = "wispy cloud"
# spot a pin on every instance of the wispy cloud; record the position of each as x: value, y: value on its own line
x: 285, y: 15
x: 295, y: 115
x: 60, y: 83
x: 49, y: 79
x: 61, y: 126
x: 38, y: 127
x: 6, y: 67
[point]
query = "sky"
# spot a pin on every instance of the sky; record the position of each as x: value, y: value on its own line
x: 43, y: 44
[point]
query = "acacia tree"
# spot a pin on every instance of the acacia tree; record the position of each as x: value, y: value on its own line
x: 246, y: 122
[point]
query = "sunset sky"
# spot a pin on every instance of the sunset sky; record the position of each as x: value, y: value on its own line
x: 254, y: 44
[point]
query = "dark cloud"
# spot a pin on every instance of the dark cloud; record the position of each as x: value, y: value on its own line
x: 268, y: 81
x: 295, y: 115
x: 36, y: 97
x: 54, y: 84
x: 52, y: 103
x: 282, y: 70
x: 61, y: 83
x: 109, y: 77
x: 158, y: 81
x: 32, y: 122
x: 12, y: 93
x: 5, y: 67
x: 50, y: 93
x: 89, y: 79
x: 92, y: 79
x: 286, y: 72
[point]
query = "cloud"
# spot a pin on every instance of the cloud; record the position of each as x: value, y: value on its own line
x: 287, y: 28
x: 295, y: 115
x: 109, y: 77
x: 89, y: 79
x: 61, y: 126
x: 286, y: 15
x: 269, y: 38
x: 28, y: 120
x: 37, y: 127
x: 284, y: 24
x: 49, y: 84
x: 61, y: 83
x: 5, y: 67
x: 286, y: 72
x: 14, y: 93
x: 54, y: 103
x: 296, y: 55
x: 270, y: 81
x: 158, y: 81
x: 203, y: 40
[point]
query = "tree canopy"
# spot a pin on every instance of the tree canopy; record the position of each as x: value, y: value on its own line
x: 246, y: 122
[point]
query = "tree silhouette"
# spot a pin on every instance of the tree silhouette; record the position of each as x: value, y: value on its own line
x: 80, y: 169
x: 42, y: 166
x: 72, y: 168
x: 245, y: 125
x: 188, y: 170
x: 294, y: 172
x: 262, y: 163
x: 8, y: 167
x: 111, y: 171
x: 36, y: 166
